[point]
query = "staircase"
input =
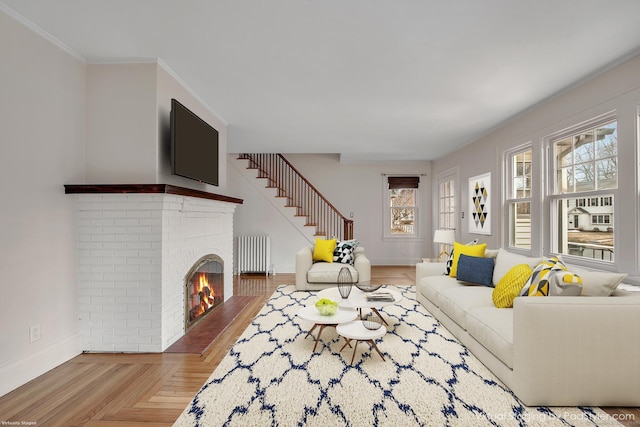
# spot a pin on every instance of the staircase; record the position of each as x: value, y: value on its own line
x: 300, y: 195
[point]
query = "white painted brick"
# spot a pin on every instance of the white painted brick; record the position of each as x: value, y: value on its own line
x: 159, y: 237
x: 136, y: 339
x: 138, y: 324
x: 112, y: 339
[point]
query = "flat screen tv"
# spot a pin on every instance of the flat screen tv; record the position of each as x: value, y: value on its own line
x: 194, y: 146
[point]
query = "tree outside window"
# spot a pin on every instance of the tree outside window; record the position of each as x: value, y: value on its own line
x: 586, y: 174
x: 403, y: 205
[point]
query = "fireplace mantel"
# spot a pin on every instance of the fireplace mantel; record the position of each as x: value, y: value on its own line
x: 145, y: 189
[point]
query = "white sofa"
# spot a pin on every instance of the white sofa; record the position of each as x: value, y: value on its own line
x: 312, y: 276
x: 551, y: 351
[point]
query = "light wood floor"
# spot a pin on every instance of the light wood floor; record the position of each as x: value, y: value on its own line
x: 152, y: 389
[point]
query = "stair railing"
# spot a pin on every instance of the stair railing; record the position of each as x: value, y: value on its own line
x: 301, y: 194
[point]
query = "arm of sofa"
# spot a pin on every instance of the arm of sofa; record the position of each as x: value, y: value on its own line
x: 304, y: 261
x: 577, y: 351
x: 424, y: 269
x: 362, y: 265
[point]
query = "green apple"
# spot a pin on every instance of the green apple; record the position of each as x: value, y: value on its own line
x: 326, y: 307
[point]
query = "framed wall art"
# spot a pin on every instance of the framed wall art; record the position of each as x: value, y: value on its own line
x: 480, y: 204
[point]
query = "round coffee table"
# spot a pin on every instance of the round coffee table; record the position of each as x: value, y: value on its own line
x: 356, y: 331
x: 311, y: 314
x: 358, y: 299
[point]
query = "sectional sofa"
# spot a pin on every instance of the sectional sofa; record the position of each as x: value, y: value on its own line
x: 553, y: 350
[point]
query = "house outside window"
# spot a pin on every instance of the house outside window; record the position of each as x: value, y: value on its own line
x: 585, y: 169
x: 402, y: 206
x: 519, y: 180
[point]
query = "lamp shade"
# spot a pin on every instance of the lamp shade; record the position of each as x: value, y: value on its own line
x: 444, y: 236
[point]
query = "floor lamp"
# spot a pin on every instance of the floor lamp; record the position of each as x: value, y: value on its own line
x: 444, y: 237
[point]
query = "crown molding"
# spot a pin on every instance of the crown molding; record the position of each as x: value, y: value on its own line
x: 42, y: 33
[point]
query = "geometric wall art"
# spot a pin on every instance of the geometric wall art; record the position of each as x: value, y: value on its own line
x: 480, y: 204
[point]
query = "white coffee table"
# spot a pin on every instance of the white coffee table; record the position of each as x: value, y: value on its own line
x: 356, y: 331
x: 358, y: 299
x: 311, y: 314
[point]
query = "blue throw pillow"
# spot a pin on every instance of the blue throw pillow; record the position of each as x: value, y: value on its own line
x: 477, y: 270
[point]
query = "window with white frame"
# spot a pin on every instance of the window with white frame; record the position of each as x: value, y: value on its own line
x: 446, y: 204
x: 519, y: 174
x: 402, y: 203
x: 585, y: 180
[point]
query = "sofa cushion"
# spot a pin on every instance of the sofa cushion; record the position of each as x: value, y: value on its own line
x: 509, y: 287
x: 505, y: 260
x: 456, y: 301
x: 344, y: 251
x: 327, y: 272
x: 431, y: 286
x: 493, y: 328
x: 323, y: 250
x: 452, y: 256
x: 598, y: 283
x: 564, y: 284
x: 475, y: 270
x: 540, y: 280
x: 460, y: 249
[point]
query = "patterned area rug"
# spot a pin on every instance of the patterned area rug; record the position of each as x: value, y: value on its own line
x: 272, y: 377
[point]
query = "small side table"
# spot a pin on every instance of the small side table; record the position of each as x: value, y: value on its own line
x: 356, y: 331
x: 311, y: 314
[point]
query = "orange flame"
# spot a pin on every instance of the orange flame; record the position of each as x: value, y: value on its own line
x: 206, y: 294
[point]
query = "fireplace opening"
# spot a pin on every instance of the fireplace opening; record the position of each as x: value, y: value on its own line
x: 204, y: 289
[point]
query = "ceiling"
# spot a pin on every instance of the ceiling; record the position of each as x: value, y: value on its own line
x: 369, y: 79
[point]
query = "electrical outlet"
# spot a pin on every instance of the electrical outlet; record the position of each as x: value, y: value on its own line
x: 351, y: 215
x: 34, y: 333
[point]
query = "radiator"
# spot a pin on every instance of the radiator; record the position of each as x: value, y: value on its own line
x: 254, y: 254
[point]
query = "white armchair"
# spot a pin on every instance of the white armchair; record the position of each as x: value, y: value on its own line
x: 312, y: 276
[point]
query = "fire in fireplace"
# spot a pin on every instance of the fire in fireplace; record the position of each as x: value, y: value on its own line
x: 204, y: 289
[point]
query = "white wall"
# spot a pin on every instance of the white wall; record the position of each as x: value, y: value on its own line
x: 356, y: 188
x: 43, y: 122
x: 170, y: 86
x: 66, y: 122
x: 128, y: 132
x: 616, y: 89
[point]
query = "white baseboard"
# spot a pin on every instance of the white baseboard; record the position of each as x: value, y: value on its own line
x: 20, y: 372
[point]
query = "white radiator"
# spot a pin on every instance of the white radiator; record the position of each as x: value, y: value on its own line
x: 254, y: 254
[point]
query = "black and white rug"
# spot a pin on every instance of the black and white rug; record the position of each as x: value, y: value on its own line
x: 271, y: 377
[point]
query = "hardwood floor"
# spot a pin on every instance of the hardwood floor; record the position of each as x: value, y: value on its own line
x: 128, y: 390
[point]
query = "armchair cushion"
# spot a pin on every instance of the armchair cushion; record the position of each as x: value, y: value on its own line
x: 343, y: 253
x: 323, y: 250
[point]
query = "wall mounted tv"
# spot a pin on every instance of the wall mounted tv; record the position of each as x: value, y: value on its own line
x: 194, y: 146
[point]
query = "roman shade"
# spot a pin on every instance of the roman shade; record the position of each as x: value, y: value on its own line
x: 403, y: 182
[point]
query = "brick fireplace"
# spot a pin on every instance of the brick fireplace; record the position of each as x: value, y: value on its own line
x: 137, y: 245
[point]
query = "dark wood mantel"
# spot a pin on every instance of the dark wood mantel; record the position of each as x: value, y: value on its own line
x: 146, y: 189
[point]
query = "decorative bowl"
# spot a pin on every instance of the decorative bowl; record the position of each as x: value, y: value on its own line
x: 372, y: 321
x: 326, y: 307
x: 367, y: 286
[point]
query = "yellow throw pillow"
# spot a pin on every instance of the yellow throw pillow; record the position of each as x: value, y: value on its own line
x: 460, y: 249
x: 323, y: 250
x: 510, y: 285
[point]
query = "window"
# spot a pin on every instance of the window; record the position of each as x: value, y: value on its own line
x: 601, y: 219
x: 447, y: 204
x: 519, y: 170
x: 402, y: 205
x: 585, y: 167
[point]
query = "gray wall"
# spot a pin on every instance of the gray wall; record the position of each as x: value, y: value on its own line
x: 617, y: 89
